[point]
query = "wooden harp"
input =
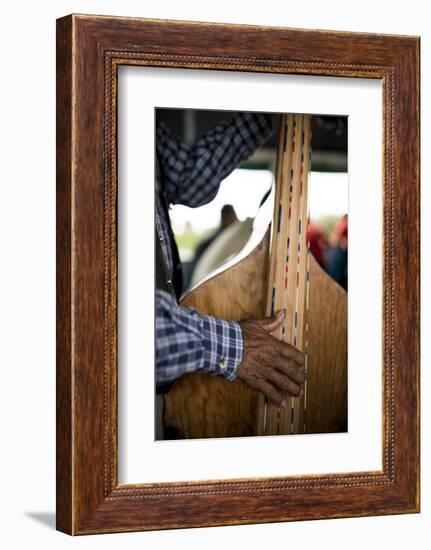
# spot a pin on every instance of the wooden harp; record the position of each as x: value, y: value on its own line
x: 280, y: 273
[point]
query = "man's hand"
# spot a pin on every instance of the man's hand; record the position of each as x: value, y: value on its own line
x: 269, y: 365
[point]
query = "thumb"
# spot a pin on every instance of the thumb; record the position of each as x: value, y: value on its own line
x: 271, y: 323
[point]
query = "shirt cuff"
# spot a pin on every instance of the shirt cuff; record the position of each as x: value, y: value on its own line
x: 223, y: 346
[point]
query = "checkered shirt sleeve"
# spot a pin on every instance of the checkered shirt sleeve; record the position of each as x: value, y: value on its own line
x: 192, y: 175
x: 187, y: 341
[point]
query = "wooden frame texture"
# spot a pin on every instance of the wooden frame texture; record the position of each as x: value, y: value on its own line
x: 89, y: 51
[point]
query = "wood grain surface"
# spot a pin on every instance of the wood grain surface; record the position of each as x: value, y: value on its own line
x: 89, y: 51
x: 205, y: 406
x: 201, y: 406
x: 327, y: 380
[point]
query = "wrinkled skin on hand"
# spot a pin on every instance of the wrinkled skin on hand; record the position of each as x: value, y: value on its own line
x: 269, y: 365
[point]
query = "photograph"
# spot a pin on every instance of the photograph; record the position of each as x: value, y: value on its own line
x: 237, y: 274
x: 251, y: 248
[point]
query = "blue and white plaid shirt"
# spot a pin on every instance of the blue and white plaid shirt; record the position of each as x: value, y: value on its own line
x: 187, y: 341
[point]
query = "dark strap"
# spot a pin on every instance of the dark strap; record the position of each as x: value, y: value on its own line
x: 177, y: 272
x: 163, y: 279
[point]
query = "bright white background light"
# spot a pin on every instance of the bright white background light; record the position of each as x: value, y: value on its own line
x: 244, y: 190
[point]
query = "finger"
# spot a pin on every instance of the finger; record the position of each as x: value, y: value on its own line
x: 290, y: 352
x: 271, y: 323
x: 290, y: 369
x: 271, y: 393
x: 283, y: 382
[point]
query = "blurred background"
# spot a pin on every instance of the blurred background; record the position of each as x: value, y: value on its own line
x: 214, y: 236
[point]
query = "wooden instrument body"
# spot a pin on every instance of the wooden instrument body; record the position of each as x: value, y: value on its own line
x: 201, y: 406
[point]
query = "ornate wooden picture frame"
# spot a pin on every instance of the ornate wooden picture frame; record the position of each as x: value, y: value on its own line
x: 89, y: 51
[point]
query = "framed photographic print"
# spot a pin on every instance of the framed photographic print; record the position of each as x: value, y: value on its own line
x: 237, y: 274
